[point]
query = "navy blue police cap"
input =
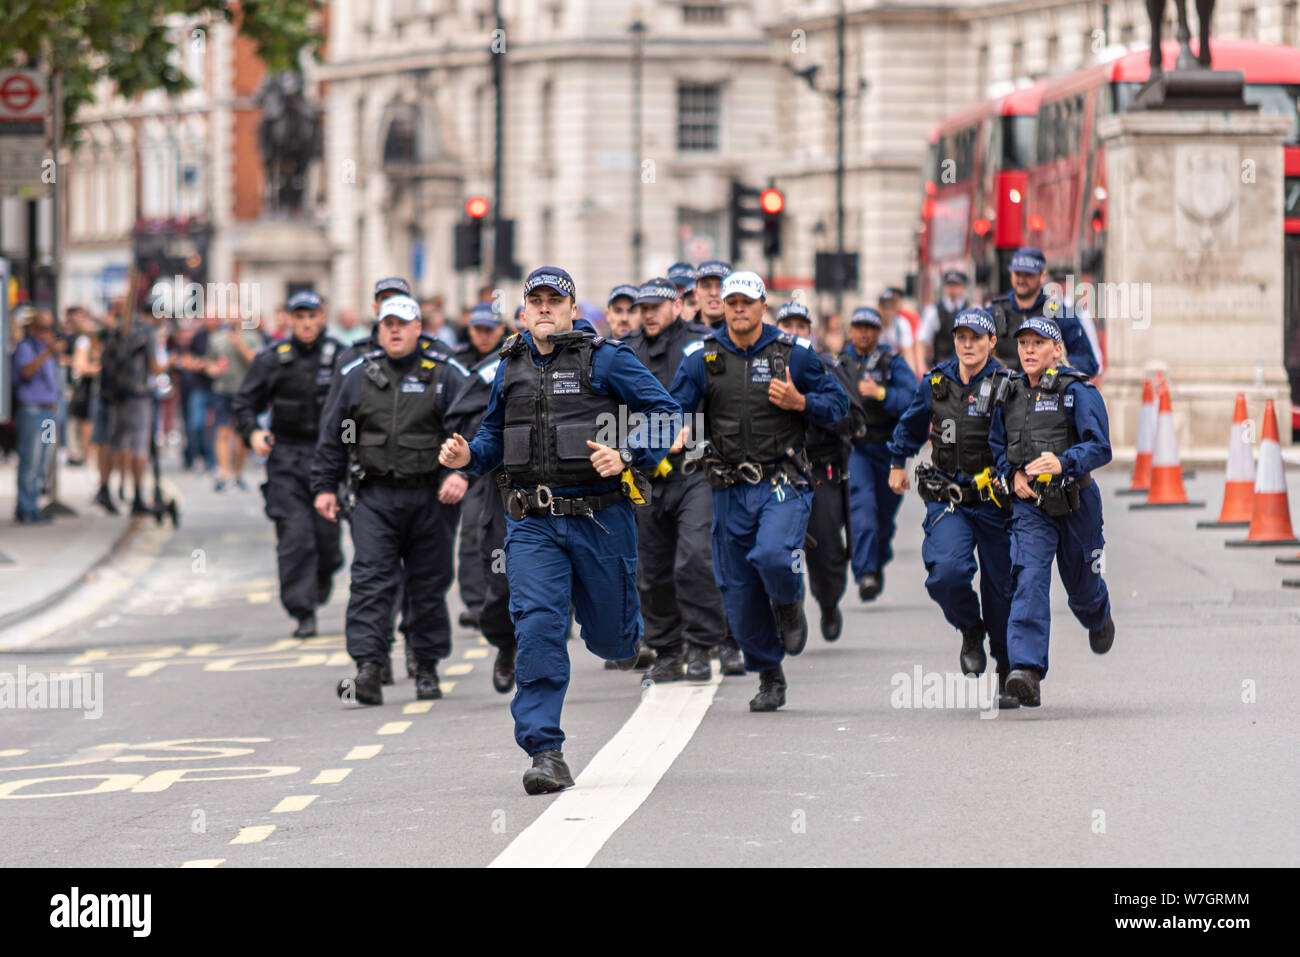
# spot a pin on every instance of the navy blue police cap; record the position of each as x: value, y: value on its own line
x: 552, y: 277
x: 978, y: 319
x: 713, y: 267
x: 1028, y: 259
x: 623, y: 289
x: 865, y: 315
x: 392, y: 284
x: 793, y: 310
x: 683, y: 275
x: 1043, y: 326
x: 659, y: 289
x: 305, y: 299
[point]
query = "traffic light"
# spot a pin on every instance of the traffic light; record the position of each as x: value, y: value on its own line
x: 746, y: 216
x: 468, y: 236
x: 772, y: 203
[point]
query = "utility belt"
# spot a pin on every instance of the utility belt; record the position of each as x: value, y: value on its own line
x: 393, y: 481
x: 288, y: 436
x: 935, y: 486
x: 1059, y: 496
x: 523, y: 502
x: 793, y: 469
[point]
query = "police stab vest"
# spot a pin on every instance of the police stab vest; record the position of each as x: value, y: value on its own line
x: 1007, y: 321
x: 298, y: 393
x: 551, y: 411
x: 959, y: 424
x: 876, y: 367
x: 743, y: 425
x: 1036, y: 418
x: 943, y: 346
x: 399, y: 427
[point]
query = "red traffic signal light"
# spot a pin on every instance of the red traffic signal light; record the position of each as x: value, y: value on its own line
x: 476, y: 207
x: 771, y: 201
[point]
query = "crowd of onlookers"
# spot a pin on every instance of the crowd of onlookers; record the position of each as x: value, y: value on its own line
x: 100, y: 390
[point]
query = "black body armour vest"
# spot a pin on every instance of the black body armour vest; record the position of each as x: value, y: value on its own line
x: 1036, y: 419
x: 551, y: 412
x: 399, y: 427
x: 743, y: 425
x: 299, y: 390
x: 943, y: 346
x: 959, y: 424
x: 1007, y: 322
x: 876, y: 367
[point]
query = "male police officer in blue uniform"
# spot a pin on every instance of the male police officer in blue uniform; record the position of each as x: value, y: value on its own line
x: 293, y: 378
x: 621, y: 313
x: 572, y: 535
x: 953, y: 407
x: 682, y: 275
x: 886, y: 384
x: 708, y: 293
x: 1047, y: 436
x: 390, y: 405
x: 1027, y: 298
x: 828, y: 535
x: 757, y: 386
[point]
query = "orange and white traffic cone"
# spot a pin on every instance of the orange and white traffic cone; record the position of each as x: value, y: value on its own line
x: 1166, y: 473
x: 1239, y: 479
x: 1270, y: 514
x: 1146, y: 443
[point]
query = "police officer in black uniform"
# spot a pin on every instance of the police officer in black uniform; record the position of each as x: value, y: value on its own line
x: 391, y: 404
x: 680, y: 602
x: 827, y: 540
x: 292, y: 379
x: 936, y: 331
x: 1027, y: 298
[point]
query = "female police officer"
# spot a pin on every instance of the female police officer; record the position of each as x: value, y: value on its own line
x: 953, y: 407
x: 1048, y: 435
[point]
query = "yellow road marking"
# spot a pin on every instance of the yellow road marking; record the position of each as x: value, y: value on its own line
x: 12, y: 752
x: 259, y: 597
x: 294, y: 802
x: 417, y: 707
x: 331, y: 776
x: 205, y: 862
x: 459, y: 669
x: 476, y: 653
x: 394, y: 727
x: 446, y: 686
x: 339, y: 658
x: 363, y: 751
x: 146, y: 669
x: 482, y: 640
x: 198, y: 650
x: 251, y: 835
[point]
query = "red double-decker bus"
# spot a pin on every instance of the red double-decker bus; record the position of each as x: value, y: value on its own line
x: 972, y: 213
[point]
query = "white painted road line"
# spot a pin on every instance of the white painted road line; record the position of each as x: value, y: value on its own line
x: 619, y: 778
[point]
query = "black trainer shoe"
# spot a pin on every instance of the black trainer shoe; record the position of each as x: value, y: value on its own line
x: 426, y: 682
x: 548, y: 773
x: 667, y: 666
x: 386, y: 676
x: 139, y: 508
x: 697, y: 664
x: 105, y: 501
x: 771, y: 690
x: 792, y: 626
x: 832, y: 623
x: 468, y: 619
x: 366, y: 687
x: 306, y: 626
x: 503, y: 670
x: 730, y: 659
x: 645, y: 656
x: 973, y: 660
x: 1005, y: 701
x: 1023, y: 684
x: 1102, y: 638
x: 869, y: 587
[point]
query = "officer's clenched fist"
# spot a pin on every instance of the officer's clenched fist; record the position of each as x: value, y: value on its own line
x: 783, y: 394
x: 605, y: 460
x: 455, y: 452
x: 327, y: 504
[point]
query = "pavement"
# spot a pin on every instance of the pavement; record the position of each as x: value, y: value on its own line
x: 215, y: 739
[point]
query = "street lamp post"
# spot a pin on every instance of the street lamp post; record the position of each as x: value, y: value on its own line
x: 637, y: 29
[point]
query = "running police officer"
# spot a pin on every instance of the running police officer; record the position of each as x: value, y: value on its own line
x: 1047, y: 436
x: 680, y: 603
x: 828, y: 454
x: 758, y: 386
x: 572, y: 535
x: 1027, y: 298
x: 622, y: 315
x: 682, y: 275
x: 390, y: 405
x: 886, y: 385
x: 964, y: 510
x: 292, y: 379
x: 935, y: 334
x: 708, y: 293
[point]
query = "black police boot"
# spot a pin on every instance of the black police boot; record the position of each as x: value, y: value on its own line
x: 1023, y: 684
x: 697, y: 664
x: 731, y: 661
x: 771, y: 690
x: 468, y: 619
x: 426, y: 681
x: 306, y: 626
x: 645, y: 656
x: 366, y: 687
x: 548, y: 773
x: 832, y: 623
x: 105, y: 501
x: 503, y: 669
x: 386, y: 676
x: 792, y: 626
x: 973, y: 659
x: 869, y: 587
x: 324, y: 588
x: 138, y: 507
x: 1005, y: 701
x: 667, y: 666
x: 1102, y: 638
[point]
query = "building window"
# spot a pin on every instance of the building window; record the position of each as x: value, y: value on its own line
x: 982, y: 70
x: 698, y: 110
x: 1247, y: 23
x: 547, y: 122
x: 1018, y: 59
x: 699, y: 235
x: 1126, y: 33
x: 697, y: 14
x: 1053, y: 54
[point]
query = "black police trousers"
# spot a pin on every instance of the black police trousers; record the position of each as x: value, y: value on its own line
x: 307, y: 546
x: 828, y: 559
x: 400, y: 535
x: 494, y: 614
x: 680, y: 600
x: 469, y: 570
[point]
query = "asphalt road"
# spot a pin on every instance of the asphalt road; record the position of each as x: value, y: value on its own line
x: 221, y: 739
